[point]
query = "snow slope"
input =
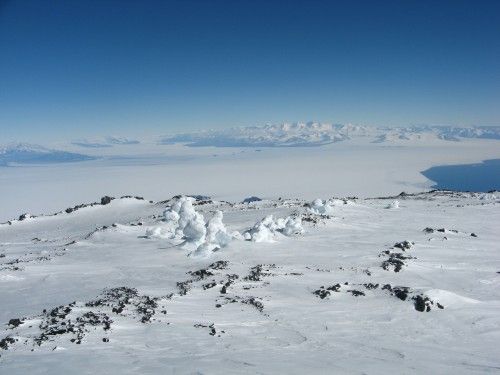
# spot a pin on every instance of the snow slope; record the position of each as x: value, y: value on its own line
x: 95, y: 294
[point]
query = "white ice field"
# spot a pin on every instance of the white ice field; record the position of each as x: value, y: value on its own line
x: 355, y: 286
x: 290, y: 284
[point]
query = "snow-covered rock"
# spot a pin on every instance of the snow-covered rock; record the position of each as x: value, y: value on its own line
x: 269, y: 229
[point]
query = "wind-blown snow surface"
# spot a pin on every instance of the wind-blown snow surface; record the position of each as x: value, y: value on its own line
x: 95, y: 294
x: 355, y: 167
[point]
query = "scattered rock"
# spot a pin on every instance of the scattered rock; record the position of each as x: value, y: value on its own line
x: 106, y: 200
x: 5, y: 342
x: 405, y: 245
x: 257, y: 272
x: 321, y: 293
x: 395, y: 261
x: 422, y: 303
x: 209, y: 285
x: 356, y: 293
x: 15, y: 322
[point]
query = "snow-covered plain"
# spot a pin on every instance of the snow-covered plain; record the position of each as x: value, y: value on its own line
x: 95, y: 291
x: 353, y: 167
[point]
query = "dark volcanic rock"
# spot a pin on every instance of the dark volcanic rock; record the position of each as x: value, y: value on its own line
x: 401, y: 292
x: 395, y: 261
x: 334, y: 288
x: 15, y: 322
x: 356, y: 293
x: 253, y: 302
x: 209, y: 285
x: 5, y: 342
x: 106, y: 200
x: 259, y: 271
x: 422, y: 303
x: 251, y: 199
x: 322, y: 293
x: 405, y: 245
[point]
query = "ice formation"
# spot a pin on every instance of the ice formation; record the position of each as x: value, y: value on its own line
x: 217, y: 232
x: 269, y: 228
x: 393, y: 204
x: 181, y: 221
x: 320, y: 207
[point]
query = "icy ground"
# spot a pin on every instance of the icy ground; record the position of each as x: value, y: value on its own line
x: 406, y: 284
x: 354, y: 167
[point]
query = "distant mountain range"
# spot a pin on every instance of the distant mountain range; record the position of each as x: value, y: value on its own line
x: 105, y: 142
x: 284, y: 135
x: 25, y: 153
x: 317, y: 134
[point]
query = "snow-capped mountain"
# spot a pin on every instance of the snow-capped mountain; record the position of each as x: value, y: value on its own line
x: 284, y: 135
x: 105, y: 142
x: 34, y: 154
x: 317, y: 134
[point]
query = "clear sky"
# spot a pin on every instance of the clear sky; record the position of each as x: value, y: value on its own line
x: 73, y: 68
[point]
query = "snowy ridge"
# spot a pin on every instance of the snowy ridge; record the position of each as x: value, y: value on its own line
x: 33, y: 154
x: 354, y: 288
x: 108, y: 141
x: 317, y: 134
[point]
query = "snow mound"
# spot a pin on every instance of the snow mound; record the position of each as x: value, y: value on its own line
x: 393, y: 205
x: 269, y: 229
x: 449, y: 299
x: 320, y: 207
x: 158, y: 232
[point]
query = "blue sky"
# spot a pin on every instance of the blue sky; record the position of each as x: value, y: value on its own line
x: 72, y: 69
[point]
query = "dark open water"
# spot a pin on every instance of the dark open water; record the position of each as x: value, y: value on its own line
x: 483, y: 176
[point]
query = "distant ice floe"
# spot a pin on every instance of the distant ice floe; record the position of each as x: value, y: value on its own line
x: 269, y: 229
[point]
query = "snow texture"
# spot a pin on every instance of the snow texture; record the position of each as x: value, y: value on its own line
x: 368, y: 290
x: 269, y: 229
x: 320, y: 207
